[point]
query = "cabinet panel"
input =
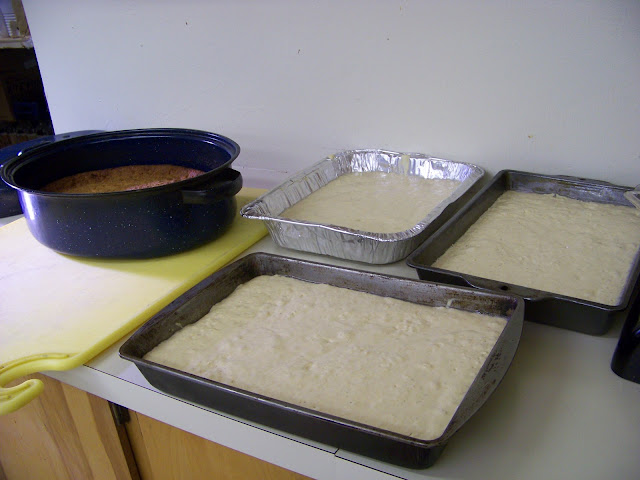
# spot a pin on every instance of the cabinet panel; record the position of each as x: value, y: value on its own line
x: 65, y: 433
x: 165, y: 452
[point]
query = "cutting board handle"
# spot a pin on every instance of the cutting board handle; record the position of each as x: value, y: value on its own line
x: 13, y: 398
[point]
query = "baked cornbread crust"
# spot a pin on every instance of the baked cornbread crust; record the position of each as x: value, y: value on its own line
x: 378, y: 202
x: 551, y: 243
x: 391, y: 364
x: 120, y: 179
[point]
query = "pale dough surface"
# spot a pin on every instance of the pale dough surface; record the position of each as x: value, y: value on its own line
x: 379, y: 361
x: 373, y: 201
x: 551, y: 243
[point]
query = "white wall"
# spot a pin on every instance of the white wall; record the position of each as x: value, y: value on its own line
x: 544, y: 86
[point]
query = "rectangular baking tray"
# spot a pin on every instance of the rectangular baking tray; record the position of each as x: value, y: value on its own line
x: 540, y: 306
x: 357, y: 245
x: 317, y: 426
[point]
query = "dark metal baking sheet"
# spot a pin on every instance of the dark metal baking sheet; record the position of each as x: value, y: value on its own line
x: 540, y: 306
x: 342, y: 433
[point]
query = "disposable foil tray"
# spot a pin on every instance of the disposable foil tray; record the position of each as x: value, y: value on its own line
x: 315, y: 425
x: 540, y: 306
x: 350, y: 244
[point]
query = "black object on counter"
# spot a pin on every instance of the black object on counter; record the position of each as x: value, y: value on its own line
x: 141, y: 223
x: 626, y: 357
x: 542, y: 307
x: 339, y: 432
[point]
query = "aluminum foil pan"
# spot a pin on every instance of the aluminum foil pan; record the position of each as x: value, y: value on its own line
x: 357, y: 245
x: 633, y: 196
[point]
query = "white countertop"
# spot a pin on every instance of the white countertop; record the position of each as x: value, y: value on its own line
x: 560, y: 412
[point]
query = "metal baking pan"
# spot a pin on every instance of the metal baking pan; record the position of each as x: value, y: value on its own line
x: 341, y: 242
x: 317, y: 426
x: 540, y: 306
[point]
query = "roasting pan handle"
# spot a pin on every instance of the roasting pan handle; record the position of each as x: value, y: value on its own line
x: 224, y: 185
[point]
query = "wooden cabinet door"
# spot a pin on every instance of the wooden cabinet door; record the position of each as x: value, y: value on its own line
x: 165, y: 452
x: 65, y: 433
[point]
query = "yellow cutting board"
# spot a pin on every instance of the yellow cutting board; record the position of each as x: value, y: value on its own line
x: 58, y: 311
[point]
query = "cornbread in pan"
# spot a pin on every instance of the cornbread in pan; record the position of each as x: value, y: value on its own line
x: 377, y: 202
x: 120, y: 179
x: 551, y: 243
x: 382, y: 362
